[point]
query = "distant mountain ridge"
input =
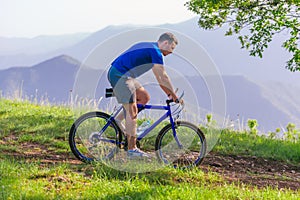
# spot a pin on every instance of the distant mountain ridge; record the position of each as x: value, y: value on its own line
x: 54, y: 79
x: 30, y: 51
x: 39, y: 44
x: 225, y: 52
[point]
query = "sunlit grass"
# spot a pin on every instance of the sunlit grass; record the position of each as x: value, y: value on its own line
x: 28, y: 122
x: 242, y: 143
x: 21, y: 180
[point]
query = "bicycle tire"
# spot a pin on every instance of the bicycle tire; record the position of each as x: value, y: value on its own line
x: 193, y: 145
x: 106, y: 146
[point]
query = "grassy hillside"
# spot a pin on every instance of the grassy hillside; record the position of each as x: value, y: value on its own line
x: 36, y: 163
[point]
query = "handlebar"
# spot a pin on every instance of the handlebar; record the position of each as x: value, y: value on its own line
x: 177, y: 100
x: 171, y: 101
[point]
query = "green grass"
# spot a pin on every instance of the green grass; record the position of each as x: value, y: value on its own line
x: 20, y: 180
x: 46, y: 128
x: 47, y: 125
x: 242, y: 143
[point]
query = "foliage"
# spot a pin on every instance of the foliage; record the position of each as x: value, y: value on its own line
x: 272, y: 135
x: 209, y: 118
x: 260, y: 20
x: 292, y: 134
x: 252, y: 124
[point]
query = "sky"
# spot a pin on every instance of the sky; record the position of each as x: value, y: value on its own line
x: 30, y: 18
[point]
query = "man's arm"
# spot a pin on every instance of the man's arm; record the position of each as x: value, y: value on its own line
x: 164, y: 80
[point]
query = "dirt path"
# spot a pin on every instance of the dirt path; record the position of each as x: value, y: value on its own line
x: 255, y: 171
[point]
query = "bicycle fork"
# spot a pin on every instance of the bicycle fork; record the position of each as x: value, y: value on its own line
x: 174, y: 127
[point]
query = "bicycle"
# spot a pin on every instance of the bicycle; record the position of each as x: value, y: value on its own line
x: 95, y: 136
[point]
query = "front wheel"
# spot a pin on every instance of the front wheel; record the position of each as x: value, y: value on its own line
x: 186, y: 148
x: 93, y: 136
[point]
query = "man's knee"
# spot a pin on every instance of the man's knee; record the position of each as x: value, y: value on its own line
x: 147, y: 97
x: 144, y: 99
x: 143, y: 96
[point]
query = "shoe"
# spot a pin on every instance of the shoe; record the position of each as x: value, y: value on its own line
x: 137, y: 153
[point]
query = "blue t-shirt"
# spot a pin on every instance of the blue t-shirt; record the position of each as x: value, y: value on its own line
x: 138, y: 59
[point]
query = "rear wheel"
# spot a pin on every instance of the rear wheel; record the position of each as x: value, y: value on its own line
x: 187, y: 149
x: 89, y: 143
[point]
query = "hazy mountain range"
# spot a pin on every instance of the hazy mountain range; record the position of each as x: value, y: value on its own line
x: 224, y: 51
x: 30, y: 51
x: 255, y: 88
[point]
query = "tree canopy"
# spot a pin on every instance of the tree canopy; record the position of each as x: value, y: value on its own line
x: 255, y: 22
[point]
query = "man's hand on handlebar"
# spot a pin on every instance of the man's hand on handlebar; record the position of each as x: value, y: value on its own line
x: 176, y: 99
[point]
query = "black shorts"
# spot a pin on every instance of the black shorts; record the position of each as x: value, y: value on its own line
x: 124, y: 87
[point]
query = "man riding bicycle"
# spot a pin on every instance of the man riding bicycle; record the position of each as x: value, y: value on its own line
x: 135, y: 61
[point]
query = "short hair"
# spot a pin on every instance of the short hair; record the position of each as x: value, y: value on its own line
x: 168, y: 36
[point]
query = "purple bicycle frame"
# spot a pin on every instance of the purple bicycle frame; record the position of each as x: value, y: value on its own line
x: 154, y: 107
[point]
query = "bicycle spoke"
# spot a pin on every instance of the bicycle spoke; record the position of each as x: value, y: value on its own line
x: 92, y: 139
x: 187, y: 149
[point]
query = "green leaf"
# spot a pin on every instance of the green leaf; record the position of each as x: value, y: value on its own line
x: 260, y: 19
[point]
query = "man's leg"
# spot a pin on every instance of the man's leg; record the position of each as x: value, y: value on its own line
x: 142, y: 97
x: 130, y: 124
